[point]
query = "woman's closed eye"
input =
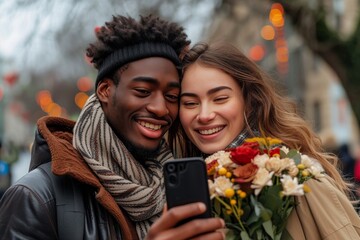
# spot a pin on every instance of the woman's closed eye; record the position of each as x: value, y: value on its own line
x: 221, y: 99
x: 189, y: 104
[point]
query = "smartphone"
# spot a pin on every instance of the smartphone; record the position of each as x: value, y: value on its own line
x: 186, y: 182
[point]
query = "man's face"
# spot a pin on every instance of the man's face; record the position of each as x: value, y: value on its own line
x: 142, y: 107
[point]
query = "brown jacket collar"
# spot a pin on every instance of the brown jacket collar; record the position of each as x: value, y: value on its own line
x: 67, y: 161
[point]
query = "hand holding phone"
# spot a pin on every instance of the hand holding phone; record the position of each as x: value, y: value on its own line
x: 186, y: 182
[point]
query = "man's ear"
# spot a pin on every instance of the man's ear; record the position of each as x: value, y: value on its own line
x: 104, y: 89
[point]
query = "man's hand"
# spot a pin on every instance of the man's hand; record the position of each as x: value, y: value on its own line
x: 164, y: 228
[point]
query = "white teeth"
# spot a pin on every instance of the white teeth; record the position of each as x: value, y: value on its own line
x: 151, y: 126
x: 210, y: 131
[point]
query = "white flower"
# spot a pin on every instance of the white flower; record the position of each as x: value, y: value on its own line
x: 293, y: 170
x: 289, y: 164
x: 285, y: 149
x: 224, y: 159
x: 262, y: 179
x: 221, y: 184
x: 313, y: 166
x: 211, y: 188
x: 260, y: 160
x: 306, y: 161
x: 214, y: 156
x: 316, y: 171
x: 277, y: 165
x: 291, y: 186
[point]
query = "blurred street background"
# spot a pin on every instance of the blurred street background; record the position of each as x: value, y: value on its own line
x: 311, y: 48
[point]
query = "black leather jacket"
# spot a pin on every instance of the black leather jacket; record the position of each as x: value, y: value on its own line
x: 29, y: 210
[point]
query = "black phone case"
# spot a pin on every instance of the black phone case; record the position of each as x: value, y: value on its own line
x: 186, y: 182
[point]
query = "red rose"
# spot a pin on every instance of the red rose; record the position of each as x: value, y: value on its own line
x: 274, y: 151
x: 244, y: 153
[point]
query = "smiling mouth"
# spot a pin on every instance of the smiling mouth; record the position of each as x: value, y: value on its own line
x: 210, y: 131
x: 153, y: 127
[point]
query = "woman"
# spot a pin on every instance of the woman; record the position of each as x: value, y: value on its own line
x: 226, y: 98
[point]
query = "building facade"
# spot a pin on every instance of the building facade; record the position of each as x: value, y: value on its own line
x: 262, y: 30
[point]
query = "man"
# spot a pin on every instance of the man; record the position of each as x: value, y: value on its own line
x: 106, y: 170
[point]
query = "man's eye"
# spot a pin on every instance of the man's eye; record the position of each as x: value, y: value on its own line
x: 142, y: 92
x: 172, y: 97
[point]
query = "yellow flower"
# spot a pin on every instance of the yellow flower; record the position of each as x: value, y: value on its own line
x: 273, y: 141
x: 301, y: 166
x: 242, y: 195
x: 222, y: 171
x: 306, y: 188
x: 228, y: 174
x: 232, y: 201
x: 260, y: 140
x: 229, y: 193
x: 305, y: 173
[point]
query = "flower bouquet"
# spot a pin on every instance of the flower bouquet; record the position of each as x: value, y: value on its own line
x: 253, y: 186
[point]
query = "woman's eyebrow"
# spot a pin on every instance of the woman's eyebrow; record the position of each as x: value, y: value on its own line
x: 211, y: 91
x: 214, y: 90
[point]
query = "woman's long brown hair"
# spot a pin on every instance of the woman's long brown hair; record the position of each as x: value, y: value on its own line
x: 267, y: 110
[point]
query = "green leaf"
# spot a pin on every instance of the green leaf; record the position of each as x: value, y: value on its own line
x: 217, y: 206
x: 259, y: 234
x: 271, y: 198
x: 247, y: 211
x: 244, y: 236
x: 252, y: 218
x: 260, y: 210
x: 282, y: 154
x: 265, y: 214
x: 253, y: 228
x: 256, y: 206
x: 234, y: 227
x: 269, y: 228
x: 294, y: 154
x: 231, y: 235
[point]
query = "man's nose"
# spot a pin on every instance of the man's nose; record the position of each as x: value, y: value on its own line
x: 158, y: 106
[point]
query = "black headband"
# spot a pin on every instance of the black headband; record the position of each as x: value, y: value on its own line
x: 135, y: 52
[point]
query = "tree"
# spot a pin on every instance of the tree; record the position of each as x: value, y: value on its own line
x: 44, y: 42
x: 341, y: 53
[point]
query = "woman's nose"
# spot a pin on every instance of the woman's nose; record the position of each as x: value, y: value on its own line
x: 206, y: 114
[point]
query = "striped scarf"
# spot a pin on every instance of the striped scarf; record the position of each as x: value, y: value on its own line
x: 137, y: 189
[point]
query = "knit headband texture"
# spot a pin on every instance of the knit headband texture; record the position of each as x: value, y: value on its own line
x: 135, y: 52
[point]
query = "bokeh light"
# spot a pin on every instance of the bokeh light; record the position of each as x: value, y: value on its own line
x: 80, y: 99
x: 282, y: 54
x: 84, y: 84
x: 1, y: 94
x: 44, y: 99
x: 257, y: 53
x: 268, y: 32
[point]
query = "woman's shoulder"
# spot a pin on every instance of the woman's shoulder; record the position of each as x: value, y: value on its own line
x: 326, y: 212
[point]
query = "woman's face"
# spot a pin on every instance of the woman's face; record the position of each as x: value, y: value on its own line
x: 211, y: 108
